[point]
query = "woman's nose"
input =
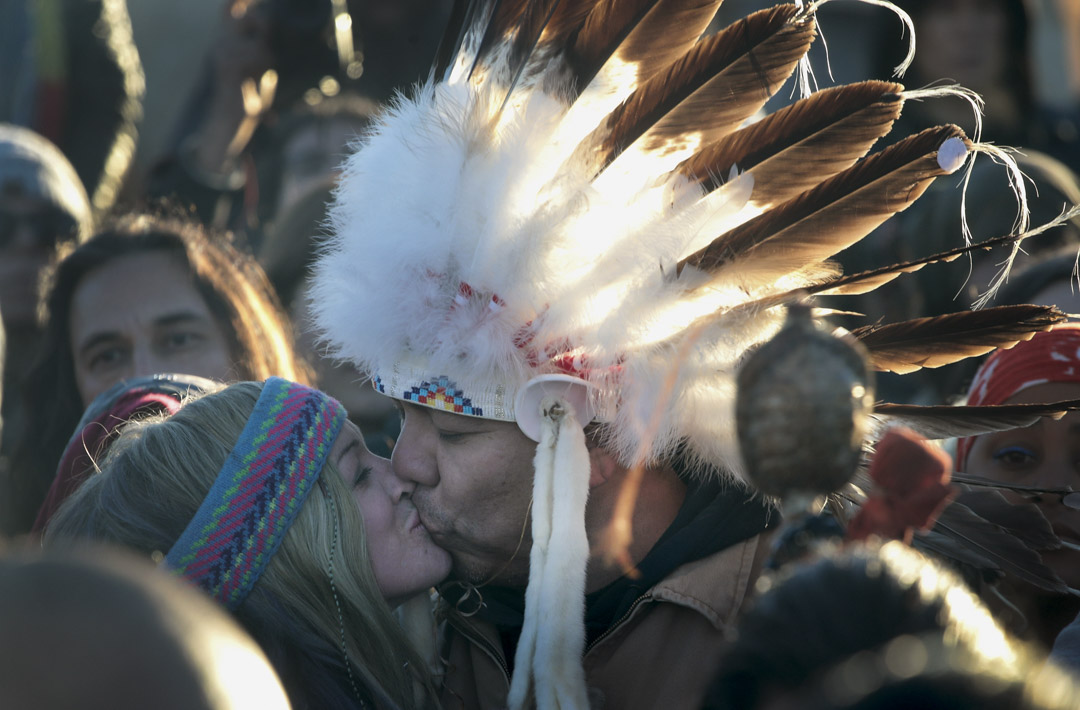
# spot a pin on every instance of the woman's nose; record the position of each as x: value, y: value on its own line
x: 399, y: 488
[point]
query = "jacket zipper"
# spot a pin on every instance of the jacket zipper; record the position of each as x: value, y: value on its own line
x: 647, y: 596
x: 487, y: 647
x: 493, y: 653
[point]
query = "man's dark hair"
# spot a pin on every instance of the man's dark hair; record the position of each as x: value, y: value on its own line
x: 235, y: 290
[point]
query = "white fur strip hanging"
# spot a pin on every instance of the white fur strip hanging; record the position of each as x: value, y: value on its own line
x: 553, y: 636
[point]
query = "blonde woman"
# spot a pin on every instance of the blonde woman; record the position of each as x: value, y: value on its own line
x: 264, y: 495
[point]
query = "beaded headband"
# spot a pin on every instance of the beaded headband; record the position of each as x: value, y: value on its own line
x: 260, y: 489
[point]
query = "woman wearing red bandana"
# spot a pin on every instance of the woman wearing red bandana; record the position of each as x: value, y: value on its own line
x: 1039, y: 464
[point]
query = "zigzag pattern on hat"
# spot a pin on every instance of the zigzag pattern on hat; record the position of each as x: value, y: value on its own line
x: 259, y: 491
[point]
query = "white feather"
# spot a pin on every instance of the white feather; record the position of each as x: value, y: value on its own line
x: 452, y: 192
x: 552, y: 638
x: 501, y: 210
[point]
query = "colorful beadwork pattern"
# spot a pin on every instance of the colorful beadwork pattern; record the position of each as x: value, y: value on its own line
x: 260, y: 489
x: 413, y: 382
x: 442, y: 394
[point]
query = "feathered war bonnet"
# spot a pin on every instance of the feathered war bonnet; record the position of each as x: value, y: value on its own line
x: 571, y: 222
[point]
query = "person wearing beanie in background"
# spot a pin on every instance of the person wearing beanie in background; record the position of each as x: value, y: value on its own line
x: 43, y: 208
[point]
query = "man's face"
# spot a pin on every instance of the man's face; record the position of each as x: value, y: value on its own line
x: 139, y: 315
x: 314, y: 154
x: 473, y: 490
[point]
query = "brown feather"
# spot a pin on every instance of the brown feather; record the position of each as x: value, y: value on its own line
x: 941, y: 340
x: 648, y: 33
x: 502, y: 27
x: 946, y: 422
x: 956, y: 552
x: 487, y: 24
x: 866, y: 281
x: 510, y: 39
x: 527, y: 55
x: 568, y: 19
x: 797, y: 147
x: 450, y: 42
x: 507, y: 16
x: 971, y: 479
x: 834, y: 215
x: 709, y: 90
x: 525, y: 39
x: 464, y: 35
x: 1023, y: 520
x: 554, y: 49
x: 1008, y: 553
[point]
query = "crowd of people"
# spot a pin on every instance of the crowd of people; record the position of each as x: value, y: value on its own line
x: 368, y: 392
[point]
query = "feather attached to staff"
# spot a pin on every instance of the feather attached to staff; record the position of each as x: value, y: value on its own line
x: 942, y: 340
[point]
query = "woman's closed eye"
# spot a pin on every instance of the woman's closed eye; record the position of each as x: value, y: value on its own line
x: 363, y: 475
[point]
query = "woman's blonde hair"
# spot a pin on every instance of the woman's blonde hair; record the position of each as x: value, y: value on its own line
x: 151, y: 484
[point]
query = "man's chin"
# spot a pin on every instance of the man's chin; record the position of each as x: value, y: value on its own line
x: 463, y: 573
x: 481, y: 573
x: 465, y: 567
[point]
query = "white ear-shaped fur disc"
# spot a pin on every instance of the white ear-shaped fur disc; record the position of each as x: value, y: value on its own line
x: 575, y: 391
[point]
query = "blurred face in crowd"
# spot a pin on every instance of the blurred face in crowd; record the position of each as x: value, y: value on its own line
x: 962, y: 40
x: 141, y: 315
x: 311, y: 155
x: 341, y: 380
x: 1044, y: 455
x: 404, y: 558
x: 30, y: 230
x: 473, y: 481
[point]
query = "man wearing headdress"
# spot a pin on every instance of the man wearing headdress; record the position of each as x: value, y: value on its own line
x: 652, y: 635
x: 555, y: 255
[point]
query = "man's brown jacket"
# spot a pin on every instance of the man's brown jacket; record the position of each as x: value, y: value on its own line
x: 661, y: 654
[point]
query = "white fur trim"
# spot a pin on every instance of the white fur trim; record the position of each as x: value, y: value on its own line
x: 471, y: 234
x: 443, y: 206
x: 573, y: 391
x: 553, y: 636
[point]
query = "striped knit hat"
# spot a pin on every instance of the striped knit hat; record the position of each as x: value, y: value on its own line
x: 259, y: 491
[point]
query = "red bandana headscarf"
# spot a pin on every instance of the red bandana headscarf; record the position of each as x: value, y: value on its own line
x: 1051, y: 356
